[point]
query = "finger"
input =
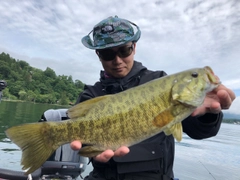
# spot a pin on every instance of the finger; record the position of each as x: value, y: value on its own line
x: 76, y: 145
x: 122, y: 151
x: 229, y: 91
x: 215, y: 108
x: 225, y: 99
x: 105, y: 156
x: 231, y: 94
x: 199, y: 111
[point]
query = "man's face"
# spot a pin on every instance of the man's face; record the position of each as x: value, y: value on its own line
x: 119, y: 60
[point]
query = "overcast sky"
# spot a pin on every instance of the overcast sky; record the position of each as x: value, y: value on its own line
x: 176, y: 35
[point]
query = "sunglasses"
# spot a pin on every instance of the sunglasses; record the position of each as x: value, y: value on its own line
x: 110, y: 54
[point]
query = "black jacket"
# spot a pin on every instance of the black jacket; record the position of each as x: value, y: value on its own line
x: 155, y: 154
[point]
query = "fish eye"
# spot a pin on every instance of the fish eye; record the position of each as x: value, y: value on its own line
x: 194, y: 74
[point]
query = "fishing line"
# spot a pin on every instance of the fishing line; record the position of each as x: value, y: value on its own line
x: 207, y: 170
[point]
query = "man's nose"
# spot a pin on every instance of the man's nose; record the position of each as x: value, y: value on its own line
x: 117, y: 60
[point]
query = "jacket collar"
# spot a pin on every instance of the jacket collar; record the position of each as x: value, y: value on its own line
x: 114, y: 85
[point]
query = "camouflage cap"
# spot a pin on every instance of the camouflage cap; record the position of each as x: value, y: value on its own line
x: 111, y: 32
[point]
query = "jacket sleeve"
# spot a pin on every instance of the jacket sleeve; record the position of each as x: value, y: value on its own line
x: 85, y: 95
x: 202, y: 127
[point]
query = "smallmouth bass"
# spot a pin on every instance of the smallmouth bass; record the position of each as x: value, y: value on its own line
x: 126, y: 118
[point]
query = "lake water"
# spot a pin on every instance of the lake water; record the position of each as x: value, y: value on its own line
x: 216, y: 158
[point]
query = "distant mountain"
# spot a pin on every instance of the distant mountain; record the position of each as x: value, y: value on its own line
x: 228, y: 115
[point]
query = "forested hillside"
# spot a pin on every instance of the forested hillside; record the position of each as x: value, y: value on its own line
x: 31, y: 84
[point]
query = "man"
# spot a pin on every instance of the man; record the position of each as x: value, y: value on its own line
x: 3, y: 85
x: 114, y: 42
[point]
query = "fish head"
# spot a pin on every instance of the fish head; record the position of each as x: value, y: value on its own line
x: 190, y: 87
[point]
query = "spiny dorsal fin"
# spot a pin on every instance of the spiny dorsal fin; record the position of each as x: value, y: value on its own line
x: 175, y: 130
x: 82, y: 108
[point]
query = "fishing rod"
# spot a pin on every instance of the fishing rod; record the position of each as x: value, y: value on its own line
x: 207, y: 169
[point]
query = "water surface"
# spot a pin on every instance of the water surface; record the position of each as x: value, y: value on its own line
x: 210, y: 159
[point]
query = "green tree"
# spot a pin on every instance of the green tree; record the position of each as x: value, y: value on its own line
x: 31, y: 84
x: 50, y: 73
x: 31, y: 96
x: 23, y: 64
x: 15, y: 88
x: 79, y: 84
x: 4, y: 70
x: 22, y: 95
x: 64, y: 100
x: 5, y: 93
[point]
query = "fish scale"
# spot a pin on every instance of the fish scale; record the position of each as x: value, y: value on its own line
x: 125, y: 118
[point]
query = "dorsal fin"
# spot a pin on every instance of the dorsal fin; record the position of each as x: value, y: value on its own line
x: 82, y: 108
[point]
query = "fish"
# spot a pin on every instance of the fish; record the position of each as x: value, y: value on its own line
x: 125, y: 118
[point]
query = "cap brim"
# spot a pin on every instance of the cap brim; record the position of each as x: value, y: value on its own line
x: 87, y: 41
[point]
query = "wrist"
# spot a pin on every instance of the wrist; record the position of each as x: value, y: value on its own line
x: 210, y: 118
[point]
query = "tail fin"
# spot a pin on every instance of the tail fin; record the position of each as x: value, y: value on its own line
x: 35, y: 143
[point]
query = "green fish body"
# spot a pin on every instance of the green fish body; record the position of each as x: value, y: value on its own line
x: 126, y: 118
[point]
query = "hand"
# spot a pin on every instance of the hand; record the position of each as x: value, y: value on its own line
x: 215, y: 101
x: 106, y: 155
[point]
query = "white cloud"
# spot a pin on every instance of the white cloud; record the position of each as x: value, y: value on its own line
x: 235, y: 106
x: 187, y: 33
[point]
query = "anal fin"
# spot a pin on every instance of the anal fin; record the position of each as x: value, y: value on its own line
x: 90, y: 151
x: 175, y: 130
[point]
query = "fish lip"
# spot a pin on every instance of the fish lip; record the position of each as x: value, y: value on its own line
x: 211, y: 76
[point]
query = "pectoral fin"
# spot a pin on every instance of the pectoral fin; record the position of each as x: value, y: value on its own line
x: 185, y: 97
x: 175, y: 130
x: 163, y: 118
x: 90, y: 151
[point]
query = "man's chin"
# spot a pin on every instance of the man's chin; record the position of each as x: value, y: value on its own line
x: 119, y: 75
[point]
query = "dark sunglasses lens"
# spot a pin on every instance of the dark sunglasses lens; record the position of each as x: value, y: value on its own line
x: 107, y: 54
x: 125, y: 51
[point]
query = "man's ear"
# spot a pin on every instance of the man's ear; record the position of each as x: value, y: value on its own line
x: 134, y: 47
x: 97, y: 55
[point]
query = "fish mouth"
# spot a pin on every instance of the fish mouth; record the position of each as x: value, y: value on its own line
x: 211, y: 76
